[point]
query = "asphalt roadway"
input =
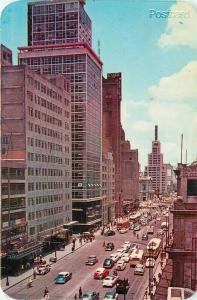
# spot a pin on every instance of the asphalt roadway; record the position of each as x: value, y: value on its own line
x: 82, y: 275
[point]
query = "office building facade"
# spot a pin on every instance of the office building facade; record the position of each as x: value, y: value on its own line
x: 36, y: 160
x: 83, y: 68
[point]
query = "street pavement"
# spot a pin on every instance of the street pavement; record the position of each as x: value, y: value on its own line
x: 82, y: 275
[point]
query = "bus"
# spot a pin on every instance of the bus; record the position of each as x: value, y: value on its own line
x: 164, y: 226
x: 136, y: 257
x: 153, y: 248
x: 135, y: 218
x: 150, y: 229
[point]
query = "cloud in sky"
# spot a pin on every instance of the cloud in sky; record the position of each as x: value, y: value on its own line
x: 181, y: 27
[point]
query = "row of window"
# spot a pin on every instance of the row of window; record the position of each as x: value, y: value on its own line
x: 45, y: 172
x: 44, y: 185
x: 45, y: 212
x: 58, y: 25
x: 43, y: 116
x: 45, y: 145
x: 45, y: 199
x: 45, y: 131
x: 43, y: 88
x: 46, y: 158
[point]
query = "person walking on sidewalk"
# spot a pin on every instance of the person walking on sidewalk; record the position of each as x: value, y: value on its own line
x: 80, y: 293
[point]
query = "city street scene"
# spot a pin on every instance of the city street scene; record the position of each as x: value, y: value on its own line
x: 98, y: 150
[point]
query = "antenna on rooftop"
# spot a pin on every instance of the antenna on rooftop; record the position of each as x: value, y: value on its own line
x: 99, y: 48
x: 181, y: 148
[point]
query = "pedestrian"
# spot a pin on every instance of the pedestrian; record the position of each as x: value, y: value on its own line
x: 34, y: 273
x: 46, y: 291
x: 104, y: 244
x: 80, y: 293
x: 146, y: 294
x: 161, y: 264
x: 75, y: 297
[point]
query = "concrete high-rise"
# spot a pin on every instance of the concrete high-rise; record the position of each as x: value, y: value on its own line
x: 112, y: 96
x: 155, y: 165
x: 76, y: 59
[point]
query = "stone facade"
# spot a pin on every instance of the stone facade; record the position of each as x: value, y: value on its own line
x: 130, y: 175
x: 112, y: 96
x: 145, y: 188
x: 184, y: 248
x: 108, y: 188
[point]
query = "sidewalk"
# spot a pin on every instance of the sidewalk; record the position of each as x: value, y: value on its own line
x: 13, y: 280
x: 156, y: 275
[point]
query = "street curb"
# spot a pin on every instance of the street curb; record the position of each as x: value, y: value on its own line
x: 31, y: 275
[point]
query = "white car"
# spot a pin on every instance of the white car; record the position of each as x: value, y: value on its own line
x: 150, y: 262
x: 139, y: 269
x: 110, y: 296
x: 120, y: 250
x: 125, y: 257
x: 123, y: 230
x: 127, y: 243
x: 110, y: 281
x: 121, y: 265
x: 115, y: 256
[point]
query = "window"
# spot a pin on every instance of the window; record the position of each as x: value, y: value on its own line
x: 192, y: 187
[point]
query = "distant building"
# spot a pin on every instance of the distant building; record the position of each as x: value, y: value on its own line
x: 168, y: 179
x: 36, y: 154
x: 183, y: 251
x: 108, y: 188
x: 155, y: 166
x: 145, y: 188
x: 130, y: 175
x: 111, y: 119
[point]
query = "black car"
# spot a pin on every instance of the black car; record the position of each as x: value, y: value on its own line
x: 109, y: 247
x: 90, y: 295
x: 108, y: 263
x: 109, y: 233
x: 122, y: 286
x: 145, y: 236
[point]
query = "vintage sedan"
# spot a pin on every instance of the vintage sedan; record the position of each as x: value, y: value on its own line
x: 125, y: 257
x: 110, y: 281
x: 110, y: 296
x: 43, y: 269
x: 63, y: 277
x: 90, y: 295
x: 121, y: 265
x: 139, y: 269
x: 150, y: 262
x: 91, y: 260
x: 101, y: 273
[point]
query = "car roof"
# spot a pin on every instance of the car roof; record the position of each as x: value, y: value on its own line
x: 64, y: 273
x: 109, y: 277
x: 92, y: 256
x: 100, y: 269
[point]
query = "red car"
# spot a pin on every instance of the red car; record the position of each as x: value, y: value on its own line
x: 101, y: 273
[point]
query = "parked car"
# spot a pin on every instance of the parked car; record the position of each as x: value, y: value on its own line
x: 53, y: 259
x: 120, y: 250
x: 115, y: 256
x: 145, y: 236
x: 91, y: 260
x: 63, y: 277
x: 43, y: 269
x: 108, y: 263
x: 121, y: 265
x: 125, y: 257
x: 110, y: 296
x: 101, y: 273
x: 131, y: 226
x: 139, y: 269
x: 90, y: 295
x: 109, y: 247
x: 110, y: 281
x: 109, y: 233
x: 150, y: 262
x: 123, y: 230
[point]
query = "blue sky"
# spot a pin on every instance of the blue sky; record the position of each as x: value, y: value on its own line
x: 155, y: 54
